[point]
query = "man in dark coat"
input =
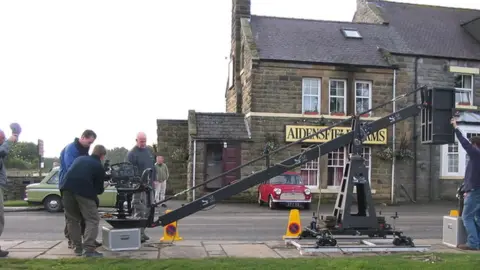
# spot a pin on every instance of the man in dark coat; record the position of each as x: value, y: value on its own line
x: 83, y: 182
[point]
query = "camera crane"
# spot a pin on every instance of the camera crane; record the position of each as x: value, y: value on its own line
x: 435, y: 108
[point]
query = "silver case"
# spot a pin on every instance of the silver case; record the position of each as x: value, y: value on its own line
x: 121, y: 239
x: 453, y: 231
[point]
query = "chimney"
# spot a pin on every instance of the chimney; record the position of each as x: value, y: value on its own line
x: 240, y: 9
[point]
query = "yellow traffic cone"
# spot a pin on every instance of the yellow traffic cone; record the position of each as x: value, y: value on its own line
x: 170, y: 232
x: 294, y: 227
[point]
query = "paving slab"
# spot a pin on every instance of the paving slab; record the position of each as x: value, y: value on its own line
x: 250, y: 251
x: 38, y: 244
x: 287, y: 253
x: 131, y: 254
x: 421, y: 242
x: 216, y: 253
x: 53, y: 256
x: 275, y: 244
x: 42, y: 250
x: 7, y: 244
x: 182, y: 252
x: 60, y: 249
x: 186, y: 243
x: 24, y: 255
x: 209, y: 248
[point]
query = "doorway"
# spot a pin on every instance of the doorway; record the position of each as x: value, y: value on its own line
x: 220, y: 158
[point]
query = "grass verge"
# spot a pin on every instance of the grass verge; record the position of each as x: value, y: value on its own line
x: 410, y: 262
x: 15, y: 203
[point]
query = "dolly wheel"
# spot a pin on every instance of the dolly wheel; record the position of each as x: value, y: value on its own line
x: 333, y: 242
x: 397, y: 242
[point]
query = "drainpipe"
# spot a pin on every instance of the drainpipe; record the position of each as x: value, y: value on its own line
x: 394, y: 90
x: 414, y: 176
x: 193, y: 167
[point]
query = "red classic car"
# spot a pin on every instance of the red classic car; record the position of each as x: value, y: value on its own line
x: 287, y: 189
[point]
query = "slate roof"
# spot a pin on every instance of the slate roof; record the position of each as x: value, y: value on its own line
x: 431, y: 30
x: 221, y: 126
x: 411, y: 29
x: 322, y: 41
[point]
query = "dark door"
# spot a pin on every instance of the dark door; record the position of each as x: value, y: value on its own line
x: 213, y: 165
x: 231, y: 160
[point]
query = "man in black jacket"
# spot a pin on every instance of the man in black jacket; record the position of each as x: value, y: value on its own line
x: 82, y: 184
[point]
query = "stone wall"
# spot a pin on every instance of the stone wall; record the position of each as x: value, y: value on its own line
x: 277, y: 87
x: 380, y: 171
x: 433, y: 73
x: 15, y: 189
x: 172, y: 136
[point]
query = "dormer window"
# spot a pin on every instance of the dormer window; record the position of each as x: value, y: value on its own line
x: 351, y: 33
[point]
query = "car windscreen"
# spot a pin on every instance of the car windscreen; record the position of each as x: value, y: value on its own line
x: 287, y: 179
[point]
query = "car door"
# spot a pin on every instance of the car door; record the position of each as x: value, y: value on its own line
x: 108, y: 198
x: 267, y: 189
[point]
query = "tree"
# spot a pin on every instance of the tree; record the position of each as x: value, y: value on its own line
x: 23, y: 156
x: 117, y: 154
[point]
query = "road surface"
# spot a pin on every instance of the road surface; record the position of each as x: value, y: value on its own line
x: 234, y: 222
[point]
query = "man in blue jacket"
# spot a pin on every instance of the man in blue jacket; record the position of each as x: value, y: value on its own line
x: 79, y: 147
x: 471, y: 204
x: 82, y: 184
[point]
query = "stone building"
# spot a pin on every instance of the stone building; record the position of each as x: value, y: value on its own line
x: 442, y: 48
x: 289, y: 77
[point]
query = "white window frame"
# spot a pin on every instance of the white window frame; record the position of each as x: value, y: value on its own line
x: 369, y: 167
x: 318, y: 95
x: 308, y: 167
x: 468, y: 90
x: 344, y: 95
x: 462, y: 155
x: 369, y: 92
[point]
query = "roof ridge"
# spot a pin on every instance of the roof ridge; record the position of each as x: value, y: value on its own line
x: 422, y: 5
x: 314, y: 20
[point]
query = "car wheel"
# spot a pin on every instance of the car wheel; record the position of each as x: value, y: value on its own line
x: 53, y: 204
x: 272, y: 205
x: 306, y: 206
x: 260, y: 202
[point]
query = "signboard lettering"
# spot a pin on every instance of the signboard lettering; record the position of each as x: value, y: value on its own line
x: 294, y: 133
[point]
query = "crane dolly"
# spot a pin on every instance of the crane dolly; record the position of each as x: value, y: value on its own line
x: 436, y: 107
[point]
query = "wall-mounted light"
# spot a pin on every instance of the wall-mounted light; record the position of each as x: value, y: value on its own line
x: 224, y: 144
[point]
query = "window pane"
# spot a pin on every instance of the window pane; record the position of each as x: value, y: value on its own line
x: 362, y: 105
x: 337, y: 88
x: 337, y: 104
x: 467, y: 81
x: 310, y: 172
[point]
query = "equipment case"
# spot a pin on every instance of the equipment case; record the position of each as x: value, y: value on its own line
x: 453, y: 231
x: 121, y: 239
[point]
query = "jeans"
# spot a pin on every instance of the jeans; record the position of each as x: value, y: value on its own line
x: 471, y: 218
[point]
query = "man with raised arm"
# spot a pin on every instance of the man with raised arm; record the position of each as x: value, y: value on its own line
x: 471, y: 204
x: 142, y: 158
x: 5, y: 145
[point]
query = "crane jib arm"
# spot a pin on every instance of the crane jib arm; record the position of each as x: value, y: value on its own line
x: 288, y: 164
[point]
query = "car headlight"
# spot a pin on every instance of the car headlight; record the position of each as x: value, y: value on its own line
x: 277, y: 191
x: 307, y: 191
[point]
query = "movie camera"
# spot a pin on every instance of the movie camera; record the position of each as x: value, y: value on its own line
x: 125, y: 178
